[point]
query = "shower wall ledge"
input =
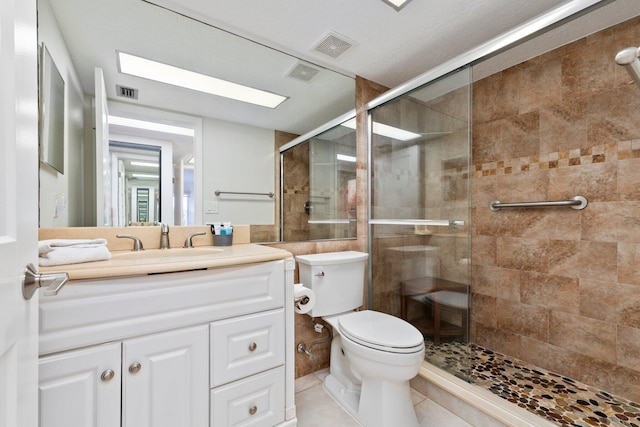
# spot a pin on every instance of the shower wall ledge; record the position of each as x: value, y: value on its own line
x: 475, y: 405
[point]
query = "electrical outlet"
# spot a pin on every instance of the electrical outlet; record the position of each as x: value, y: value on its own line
x: 211, y: 207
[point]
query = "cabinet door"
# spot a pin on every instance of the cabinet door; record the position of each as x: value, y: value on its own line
x: 81, y: 388
x: 165, y: 379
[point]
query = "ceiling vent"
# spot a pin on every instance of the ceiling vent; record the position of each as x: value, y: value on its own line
x: 303, y: 72
x: 126, y: 92
x: 333, y: 44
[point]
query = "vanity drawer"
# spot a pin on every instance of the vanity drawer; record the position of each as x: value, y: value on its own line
x: 246, y: 345
x: 90, y: 312
x: 254, y: 401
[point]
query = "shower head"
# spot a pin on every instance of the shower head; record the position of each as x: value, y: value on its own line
x: 629, y: 59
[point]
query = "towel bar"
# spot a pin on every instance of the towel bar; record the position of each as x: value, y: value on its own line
x: 218, y: 192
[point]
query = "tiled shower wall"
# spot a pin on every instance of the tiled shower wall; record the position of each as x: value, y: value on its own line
x: 560, y: 288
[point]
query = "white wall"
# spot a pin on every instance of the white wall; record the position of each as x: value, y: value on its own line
x: 70, y: 185
x: 238, y: 158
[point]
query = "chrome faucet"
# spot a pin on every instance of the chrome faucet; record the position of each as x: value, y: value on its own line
x: 188, y: 243
x: 164, y: 236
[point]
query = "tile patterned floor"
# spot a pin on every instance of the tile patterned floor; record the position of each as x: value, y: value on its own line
x: 315, y: 408
x: 556, y: 398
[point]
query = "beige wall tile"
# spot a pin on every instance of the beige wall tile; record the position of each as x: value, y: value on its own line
x: 522, y: 254
x: 599, y: 300
x: 628, y: 347
x: 522, y: 319
x: 593, y: 338
x: 555, y: 293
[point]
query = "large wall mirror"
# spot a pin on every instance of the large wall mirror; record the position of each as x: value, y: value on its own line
x: 217, y: 158
x: 318, y: 190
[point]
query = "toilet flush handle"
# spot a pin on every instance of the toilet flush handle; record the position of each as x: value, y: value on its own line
x: 321, y: 274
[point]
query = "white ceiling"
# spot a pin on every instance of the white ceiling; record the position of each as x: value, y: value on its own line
x: 389, y: 47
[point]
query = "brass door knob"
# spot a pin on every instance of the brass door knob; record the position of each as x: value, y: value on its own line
x: 135, y: 367
x: 253, y: 346
x: 253, y: 410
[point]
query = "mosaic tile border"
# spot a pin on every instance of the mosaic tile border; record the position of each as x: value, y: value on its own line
x: 597, y: 154
x: 558, y: 399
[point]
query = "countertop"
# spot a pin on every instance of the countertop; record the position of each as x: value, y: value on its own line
x: 241, y: 252
x: 118, y: 267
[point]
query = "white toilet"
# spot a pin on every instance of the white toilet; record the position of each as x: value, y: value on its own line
x: 373, y: 354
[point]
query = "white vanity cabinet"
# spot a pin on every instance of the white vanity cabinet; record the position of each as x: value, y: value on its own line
x: 81, y: 388
x: 163, y: 379
x: 190, y: 349
x: 157, y: 378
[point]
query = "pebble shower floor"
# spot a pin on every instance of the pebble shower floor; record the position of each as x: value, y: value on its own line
x: 558, y: 399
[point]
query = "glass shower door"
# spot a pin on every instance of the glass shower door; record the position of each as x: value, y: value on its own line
x: 419, y: 233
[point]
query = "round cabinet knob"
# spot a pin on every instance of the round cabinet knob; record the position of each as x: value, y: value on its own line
x: 107, y: 375
x: 135, y: 367
x: 253, y: 346
x: 253, y: 410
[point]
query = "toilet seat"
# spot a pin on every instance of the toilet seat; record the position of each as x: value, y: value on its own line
x: 381, y: 331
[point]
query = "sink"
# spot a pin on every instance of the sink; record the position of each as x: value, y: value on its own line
x: 183, y: 253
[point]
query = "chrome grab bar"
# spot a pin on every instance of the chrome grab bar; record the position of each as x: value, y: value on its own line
x: 32, y: 280
x: 577, y: 202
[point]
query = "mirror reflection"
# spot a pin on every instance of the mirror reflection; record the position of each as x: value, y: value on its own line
x: 233, y: 146
x: 319, y: 185
x: 136, y: 183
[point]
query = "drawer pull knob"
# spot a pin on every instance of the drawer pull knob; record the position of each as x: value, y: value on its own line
x: 107, y: 375
x: 135, y: 367
x: 253, y: 346
x: 253, y: 410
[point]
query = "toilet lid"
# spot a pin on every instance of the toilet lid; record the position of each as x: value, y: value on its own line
x: 381, y: 331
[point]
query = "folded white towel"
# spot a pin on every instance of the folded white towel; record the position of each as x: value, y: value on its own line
x: 74, y: 255
x: 72, y: 251
x: 46, y: 246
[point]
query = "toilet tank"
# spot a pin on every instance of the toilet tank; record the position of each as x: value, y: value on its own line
x: 336, y: 278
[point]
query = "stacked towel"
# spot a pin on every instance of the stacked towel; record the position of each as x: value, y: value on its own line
x: 72, y: 251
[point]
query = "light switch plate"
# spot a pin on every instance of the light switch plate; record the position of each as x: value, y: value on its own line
x: 211, y: 207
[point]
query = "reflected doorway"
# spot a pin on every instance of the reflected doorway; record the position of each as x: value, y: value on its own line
x: 136, y: 184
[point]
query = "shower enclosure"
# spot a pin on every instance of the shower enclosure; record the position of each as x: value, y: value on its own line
x: 318, y: 191
x: 419, y: 211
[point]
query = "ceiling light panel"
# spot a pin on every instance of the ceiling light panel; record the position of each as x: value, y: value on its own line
x: 143, y: 164
x: 144, y: 176
x: 154, y: 126
x: 164, y: 73
x: 386, y: 130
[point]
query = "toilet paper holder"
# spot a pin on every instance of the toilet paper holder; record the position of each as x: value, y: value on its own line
x: 301, y: 301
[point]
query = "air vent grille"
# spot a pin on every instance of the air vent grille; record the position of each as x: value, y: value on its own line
x: 126, y: 92
x: 303, y: 72
x: 334, y: 45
